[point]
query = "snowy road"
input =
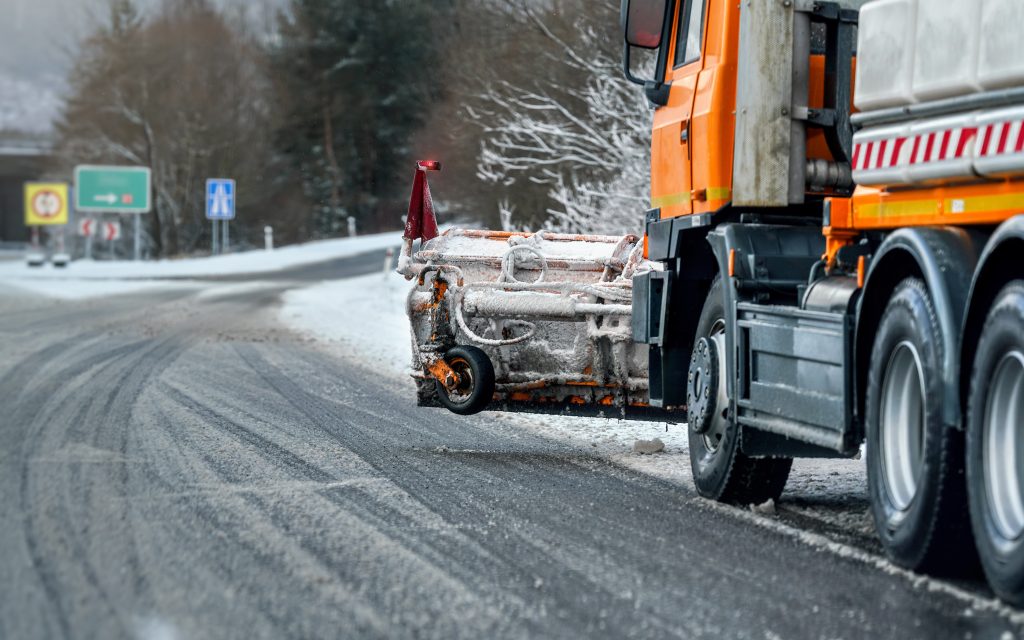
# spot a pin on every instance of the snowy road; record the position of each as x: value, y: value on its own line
x: 176, y: 464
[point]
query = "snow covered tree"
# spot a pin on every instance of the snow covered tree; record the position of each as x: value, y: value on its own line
x: 587, y: 143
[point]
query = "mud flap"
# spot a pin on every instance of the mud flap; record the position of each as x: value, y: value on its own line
x: 794, y: 378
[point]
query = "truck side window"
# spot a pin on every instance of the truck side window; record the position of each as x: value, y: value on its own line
x: 691, y: 26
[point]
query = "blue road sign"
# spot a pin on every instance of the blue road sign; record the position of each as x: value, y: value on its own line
x: 220, y: 199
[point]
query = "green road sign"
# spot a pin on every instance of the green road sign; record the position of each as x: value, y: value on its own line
x: 112, y: 189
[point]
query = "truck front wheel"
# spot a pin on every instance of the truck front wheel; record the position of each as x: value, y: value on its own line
x: 995, y: 445
x: 914, y: 462
x: 475, y: 387
x: 720, y: 470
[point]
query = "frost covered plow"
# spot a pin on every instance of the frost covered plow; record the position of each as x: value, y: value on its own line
x: 514, y: 321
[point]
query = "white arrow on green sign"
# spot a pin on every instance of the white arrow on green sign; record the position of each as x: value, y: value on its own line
x: 112, y: 189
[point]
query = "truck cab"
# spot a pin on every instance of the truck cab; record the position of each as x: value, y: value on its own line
x: 721, y: 100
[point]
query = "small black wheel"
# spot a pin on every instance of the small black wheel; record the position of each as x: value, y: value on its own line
x: 475, y: 387
x: 720, y: 470
x: 995, y: 445
x: 914, y: 462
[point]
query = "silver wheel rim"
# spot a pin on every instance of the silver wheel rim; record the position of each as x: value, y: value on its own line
x: 719, y: 424
x: 901, y: 424
x: 1002, y: 446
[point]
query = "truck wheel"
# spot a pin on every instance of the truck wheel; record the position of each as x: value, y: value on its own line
x: 995, y: 445
x: 914, y: 463
x: 476, y: 381
x: 720, y: 470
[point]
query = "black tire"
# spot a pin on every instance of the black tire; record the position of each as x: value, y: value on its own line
x: 1002, y: 338
x: 476, y: 387
x: 720, y: 470
x: 915, y: 466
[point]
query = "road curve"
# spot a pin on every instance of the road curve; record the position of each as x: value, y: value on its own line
x: 179, y: 467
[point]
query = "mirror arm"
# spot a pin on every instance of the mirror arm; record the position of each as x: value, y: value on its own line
x: 657, y: 92
x: 627, y: 71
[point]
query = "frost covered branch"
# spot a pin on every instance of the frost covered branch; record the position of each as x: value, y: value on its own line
x: 589, y: 146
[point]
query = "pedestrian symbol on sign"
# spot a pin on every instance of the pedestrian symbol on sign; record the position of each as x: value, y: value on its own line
x: 220, y: 199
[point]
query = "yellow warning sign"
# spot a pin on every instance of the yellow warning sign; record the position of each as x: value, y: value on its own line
x: 46, y: 203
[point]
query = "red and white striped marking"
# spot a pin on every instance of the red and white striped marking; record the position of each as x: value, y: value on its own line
x: 1002, y: 138
x: 956, y: 143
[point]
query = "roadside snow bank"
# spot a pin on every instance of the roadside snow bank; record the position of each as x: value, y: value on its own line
x: 91, y: 279
x: 78, y: 289
x: 248, y: 262
x: 364, y: 316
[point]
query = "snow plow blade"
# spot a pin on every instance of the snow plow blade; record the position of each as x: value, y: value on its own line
x: 537, y: 322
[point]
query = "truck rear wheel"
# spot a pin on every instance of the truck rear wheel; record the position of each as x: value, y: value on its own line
x: 720, y: 470
x: 995, y: 445
x: 914, y: 463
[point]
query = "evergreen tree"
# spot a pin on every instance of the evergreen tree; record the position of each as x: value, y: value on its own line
x: 358, y: 78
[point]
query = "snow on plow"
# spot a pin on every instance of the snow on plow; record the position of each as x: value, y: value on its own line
x: 512, y: 321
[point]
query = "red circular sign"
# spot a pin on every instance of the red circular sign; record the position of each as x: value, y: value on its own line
x: 47, y: 204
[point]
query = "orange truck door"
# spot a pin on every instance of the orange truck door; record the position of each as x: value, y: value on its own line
x: 671, y: 175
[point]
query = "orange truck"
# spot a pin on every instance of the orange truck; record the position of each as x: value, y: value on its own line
x: 834, y: 257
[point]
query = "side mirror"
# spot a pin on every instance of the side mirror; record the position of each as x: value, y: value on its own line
x: 643, y: 22
x: 643, y: 25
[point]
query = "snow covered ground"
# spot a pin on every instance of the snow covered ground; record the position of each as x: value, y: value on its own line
x: 93, y: 278
x: 363, y: 316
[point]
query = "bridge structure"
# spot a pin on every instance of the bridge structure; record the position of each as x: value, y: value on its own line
x: 23, y: 158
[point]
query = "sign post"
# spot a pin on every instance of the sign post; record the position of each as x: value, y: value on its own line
x: 220, y: 205
x: 136, y: 248
x: 101, y: 189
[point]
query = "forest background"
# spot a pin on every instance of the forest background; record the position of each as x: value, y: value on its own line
x: 320, y: 113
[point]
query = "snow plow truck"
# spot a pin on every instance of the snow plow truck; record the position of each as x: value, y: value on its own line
x: 834, y: 256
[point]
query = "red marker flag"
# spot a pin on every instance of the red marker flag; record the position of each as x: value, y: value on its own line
x: 421, y: 222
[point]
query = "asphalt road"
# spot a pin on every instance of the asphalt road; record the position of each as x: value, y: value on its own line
x: 175, y: 465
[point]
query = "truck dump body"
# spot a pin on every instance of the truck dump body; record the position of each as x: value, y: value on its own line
x: 940, y: 135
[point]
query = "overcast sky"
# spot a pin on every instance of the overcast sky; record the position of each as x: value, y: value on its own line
x: 38, y: 40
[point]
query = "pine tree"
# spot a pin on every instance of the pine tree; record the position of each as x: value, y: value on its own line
x: 359, y: 78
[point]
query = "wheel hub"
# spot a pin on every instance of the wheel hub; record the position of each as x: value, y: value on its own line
x: 462, y: 382
x: 1003, y: 447
x: 702, y: 385
x: 901, y: 422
